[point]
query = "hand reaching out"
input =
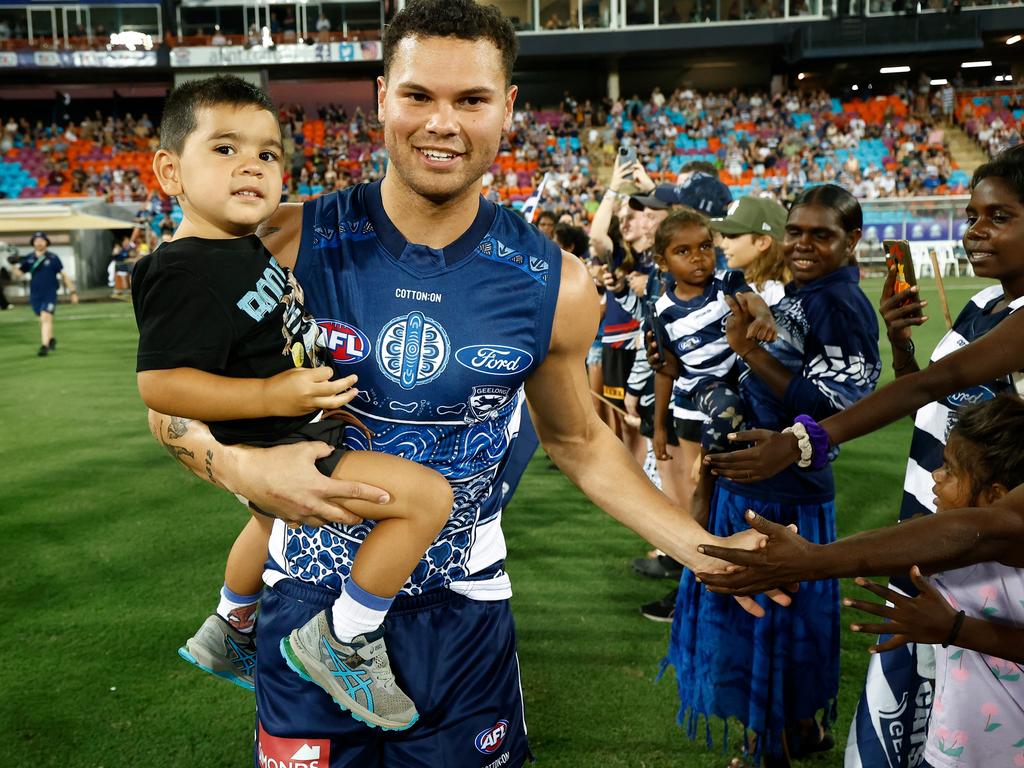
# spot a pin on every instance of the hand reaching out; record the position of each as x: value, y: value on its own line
x: 926, y: 618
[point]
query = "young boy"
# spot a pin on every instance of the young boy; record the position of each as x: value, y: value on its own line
x: 691, y: 317
x: 978, y: 711
x: 44, y: 267
x: 223, y: 337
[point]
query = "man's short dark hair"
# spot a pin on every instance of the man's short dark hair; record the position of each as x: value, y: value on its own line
x: 179, y: 116
x: 464, y: 19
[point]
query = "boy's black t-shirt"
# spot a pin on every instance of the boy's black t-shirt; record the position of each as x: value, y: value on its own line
x: 215, y: 305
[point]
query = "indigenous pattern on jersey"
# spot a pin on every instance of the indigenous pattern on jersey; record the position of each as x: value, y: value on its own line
x: 695, y: 330
x: 891, y: 721
x: 442, y: 342
x: 828, y: 339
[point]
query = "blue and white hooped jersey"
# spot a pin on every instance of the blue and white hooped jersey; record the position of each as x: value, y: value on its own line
x: 934, y: 421
x: 442, y: 342
x: 694, y: 330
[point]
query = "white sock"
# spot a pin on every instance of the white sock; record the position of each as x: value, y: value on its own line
x: 238, y: 610
x: 357, y: 612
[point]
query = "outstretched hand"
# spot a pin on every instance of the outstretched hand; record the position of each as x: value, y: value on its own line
x: 926, y: 618
x: 770, y: 453
x: 749, y: 540
x: 781, y: 559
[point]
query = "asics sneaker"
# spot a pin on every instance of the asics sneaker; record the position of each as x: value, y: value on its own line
x: 357, y: 675
x: 218, y: 648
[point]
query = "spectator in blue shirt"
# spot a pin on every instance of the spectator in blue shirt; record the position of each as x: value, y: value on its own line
x: 43, y: 268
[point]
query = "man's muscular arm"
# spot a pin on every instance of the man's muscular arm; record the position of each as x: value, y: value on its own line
x: 282, y: 233
x: 583, y: 447
x: 282, y: 481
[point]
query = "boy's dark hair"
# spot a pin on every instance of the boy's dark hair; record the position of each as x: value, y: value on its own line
x: 464, y: 19
x: 547, y: 215
x: 838, y: 199
x: 1008, y: 165
x: 993, y: 431
x: 572, y: 239
x: 678, y: 219
x: 179, y: 116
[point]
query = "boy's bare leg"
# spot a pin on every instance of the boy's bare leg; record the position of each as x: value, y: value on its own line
x: 421, y: 502
x: 345, y: 643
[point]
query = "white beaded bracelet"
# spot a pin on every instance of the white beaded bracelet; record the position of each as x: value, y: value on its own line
x: 803, y: 442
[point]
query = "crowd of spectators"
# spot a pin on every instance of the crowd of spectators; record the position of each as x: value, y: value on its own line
x: 771, y: 145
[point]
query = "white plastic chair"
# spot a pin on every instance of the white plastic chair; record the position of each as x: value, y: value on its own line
x: 922, y: 261
x: 946, y: 256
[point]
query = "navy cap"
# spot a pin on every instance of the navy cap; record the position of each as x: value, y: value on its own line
x: 702, y: 192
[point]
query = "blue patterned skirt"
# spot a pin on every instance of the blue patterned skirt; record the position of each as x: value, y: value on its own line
x: 767, y: 673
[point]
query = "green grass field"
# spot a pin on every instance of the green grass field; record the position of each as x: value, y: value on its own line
x: 113, y: 555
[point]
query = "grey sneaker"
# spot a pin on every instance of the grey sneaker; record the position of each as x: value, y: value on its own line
x: 221, y: 650
x: 357, y: 675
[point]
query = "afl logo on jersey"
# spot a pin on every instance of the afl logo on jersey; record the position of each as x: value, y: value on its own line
x: 413, y: 350
x: 345, y: 343
x: 495, y: 359
x: 489, y: 739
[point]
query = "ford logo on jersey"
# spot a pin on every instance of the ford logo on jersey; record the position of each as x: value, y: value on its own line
x: 495, y: 359
x: 345, y: 343
x: 489, y: 739
x: 965, y: 397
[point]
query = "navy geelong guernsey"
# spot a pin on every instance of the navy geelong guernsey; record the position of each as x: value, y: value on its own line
x: 442, y: 341
x: 828, y: 339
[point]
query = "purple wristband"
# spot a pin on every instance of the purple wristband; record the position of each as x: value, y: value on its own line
x: 819, y: 441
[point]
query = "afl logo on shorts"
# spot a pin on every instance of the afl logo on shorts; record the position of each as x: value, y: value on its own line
x: 490, y: 739
x: 345, y: 343
x: 413, y: 350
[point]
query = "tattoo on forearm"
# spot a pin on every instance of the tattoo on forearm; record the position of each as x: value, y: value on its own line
x: 209, y: 467
x: 174, y: 431
x: 178, y: 427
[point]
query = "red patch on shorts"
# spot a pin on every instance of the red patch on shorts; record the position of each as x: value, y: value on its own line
x: 280, y: 752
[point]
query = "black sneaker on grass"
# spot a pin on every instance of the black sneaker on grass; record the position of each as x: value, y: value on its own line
x: 660, y: 567
x: 53, y: 344
x: 43, y: 351
x: 661, y: 610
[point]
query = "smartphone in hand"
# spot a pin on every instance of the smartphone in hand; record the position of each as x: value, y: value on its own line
x: 897, y: 254
x: 627, y: 156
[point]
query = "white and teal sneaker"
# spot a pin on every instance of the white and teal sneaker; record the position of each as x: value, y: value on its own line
x: 357, y: 675
x: 220, y: 649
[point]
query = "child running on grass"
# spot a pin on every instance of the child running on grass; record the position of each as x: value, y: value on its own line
x: 223, y: 337
x: 974, y: 615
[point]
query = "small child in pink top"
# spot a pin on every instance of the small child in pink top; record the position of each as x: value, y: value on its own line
x: 974, y: 615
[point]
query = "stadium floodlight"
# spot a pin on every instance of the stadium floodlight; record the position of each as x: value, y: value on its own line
x: 974, y: 64
x: 939, y: 81
x: 893, y: 70
x: 855, y: 88
x: 999, y: 78
x: 1013, y: 40
x: 801, y: 76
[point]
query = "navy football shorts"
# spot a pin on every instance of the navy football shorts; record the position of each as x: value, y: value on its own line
x: 456, y: 659
x: 46, y: 302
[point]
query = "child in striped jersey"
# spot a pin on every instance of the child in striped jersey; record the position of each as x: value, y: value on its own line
x: 691, y: 319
